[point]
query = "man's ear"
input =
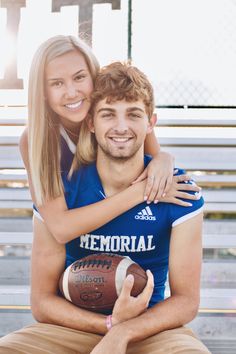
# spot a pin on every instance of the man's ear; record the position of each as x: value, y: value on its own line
x: 90, y: 124
x: 152, y: 123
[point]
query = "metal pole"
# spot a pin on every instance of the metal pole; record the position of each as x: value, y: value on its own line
x: 130, y: 30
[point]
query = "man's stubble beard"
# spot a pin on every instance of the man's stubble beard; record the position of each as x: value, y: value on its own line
x: 118, y: 159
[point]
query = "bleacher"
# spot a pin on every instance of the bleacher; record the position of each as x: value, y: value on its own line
x: 203, y: 142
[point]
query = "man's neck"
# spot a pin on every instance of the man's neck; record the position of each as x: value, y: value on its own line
x: 118, y: 175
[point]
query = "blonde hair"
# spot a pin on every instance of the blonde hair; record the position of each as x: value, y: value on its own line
x: 44, y: 134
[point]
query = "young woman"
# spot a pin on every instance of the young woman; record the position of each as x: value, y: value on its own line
x: 60, y: 84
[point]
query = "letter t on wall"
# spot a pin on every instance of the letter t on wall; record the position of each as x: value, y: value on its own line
x: 10, y: 80
x: 85, y: 13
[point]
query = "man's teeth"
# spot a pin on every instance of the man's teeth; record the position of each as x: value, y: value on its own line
x: 120, y: 140
x: 73, y: 105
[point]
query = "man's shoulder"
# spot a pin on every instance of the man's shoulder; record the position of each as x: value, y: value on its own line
x: 85, y: 174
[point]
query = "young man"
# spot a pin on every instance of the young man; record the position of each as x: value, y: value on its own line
x: 158, y: 237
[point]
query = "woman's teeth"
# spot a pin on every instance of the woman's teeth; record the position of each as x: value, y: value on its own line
x: 74, y: 105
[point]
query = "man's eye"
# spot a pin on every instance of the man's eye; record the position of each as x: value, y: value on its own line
x: 107, y: 115
x: 134, y: 115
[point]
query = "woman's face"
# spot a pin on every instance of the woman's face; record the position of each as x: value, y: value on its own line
x: 68, y: 85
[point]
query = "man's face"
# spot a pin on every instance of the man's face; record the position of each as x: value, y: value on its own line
x: 120, y: 128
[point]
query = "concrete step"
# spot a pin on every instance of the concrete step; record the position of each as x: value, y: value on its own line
x: 203, y: 158
x: 216, y: 326
x: 209, y: 240
x: 215, y: 199
x: 16, y: 270
x: 15, y: 224
x: 203, y: 180
x: 211, y: 158
x: 207, y: 136
x: 218, y: 228
x: 221, y: 346
x: 13, y: 320
x: 212, y: 300
x: 166, y: 116
x: 196, y: 117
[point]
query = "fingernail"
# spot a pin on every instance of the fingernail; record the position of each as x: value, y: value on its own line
x: 148, y: 202
x: 155, y: 201
x: 130, y: 277
x: 189, y: 204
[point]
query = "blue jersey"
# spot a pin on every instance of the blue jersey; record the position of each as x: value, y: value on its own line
x: 142, y: 233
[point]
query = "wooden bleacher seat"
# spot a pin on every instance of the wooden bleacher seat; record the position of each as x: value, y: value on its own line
x: 204, y: 143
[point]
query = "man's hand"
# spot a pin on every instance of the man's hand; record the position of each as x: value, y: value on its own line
x: 127, y: 306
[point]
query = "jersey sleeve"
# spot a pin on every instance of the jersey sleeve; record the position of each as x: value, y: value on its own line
x: 36, y: 213
x: 180, y: 213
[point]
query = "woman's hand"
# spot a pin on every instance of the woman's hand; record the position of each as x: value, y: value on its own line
x: 180, y: 189
x: 159, y: 175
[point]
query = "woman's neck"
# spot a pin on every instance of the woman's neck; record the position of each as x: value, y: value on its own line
x: 72, y: 129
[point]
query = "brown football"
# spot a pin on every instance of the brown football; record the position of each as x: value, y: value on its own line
x: 94, y: 282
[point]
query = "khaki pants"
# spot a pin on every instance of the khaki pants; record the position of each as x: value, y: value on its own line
x: 43, y: 338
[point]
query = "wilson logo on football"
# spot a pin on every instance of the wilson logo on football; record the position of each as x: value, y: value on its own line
x: 145, y: 214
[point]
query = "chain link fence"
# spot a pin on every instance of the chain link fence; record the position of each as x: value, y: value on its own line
x: 188, y: 49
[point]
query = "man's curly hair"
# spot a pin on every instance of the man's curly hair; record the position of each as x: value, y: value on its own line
x: 123, y: 81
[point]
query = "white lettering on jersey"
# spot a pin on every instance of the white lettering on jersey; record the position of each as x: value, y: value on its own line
x: 117, y: 243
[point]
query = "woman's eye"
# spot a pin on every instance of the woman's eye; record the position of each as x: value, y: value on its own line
x: 57, y: 83
x: 79, y: 77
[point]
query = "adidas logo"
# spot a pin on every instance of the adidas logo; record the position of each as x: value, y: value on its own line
x: 145, y: 214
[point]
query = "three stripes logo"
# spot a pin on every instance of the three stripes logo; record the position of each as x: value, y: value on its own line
x: 145, y: 214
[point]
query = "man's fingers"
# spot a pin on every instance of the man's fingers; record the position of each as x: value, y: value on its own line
x: 148, y: 290
x: 127, y: 286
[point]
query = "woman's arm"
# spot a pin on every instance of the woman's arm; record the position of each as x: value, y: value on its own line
x: 65, y: 224
x: 159, y: 172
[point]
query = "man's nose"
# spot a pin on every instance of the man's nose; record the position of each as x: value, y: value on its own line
x: 121, y: 125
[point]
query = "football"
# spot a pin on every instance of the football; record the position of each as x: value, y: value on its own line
x: 95, y: 282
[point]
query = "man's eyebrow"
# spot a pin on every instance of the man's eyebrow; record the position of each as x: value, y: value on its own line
x: 106, y: 109
x: 131, y: 109
x: 60, y: 78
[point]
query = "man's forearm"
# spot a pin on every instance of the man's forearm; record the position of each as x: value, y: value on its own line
x: 171, y: 313
x: 56, y: 310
